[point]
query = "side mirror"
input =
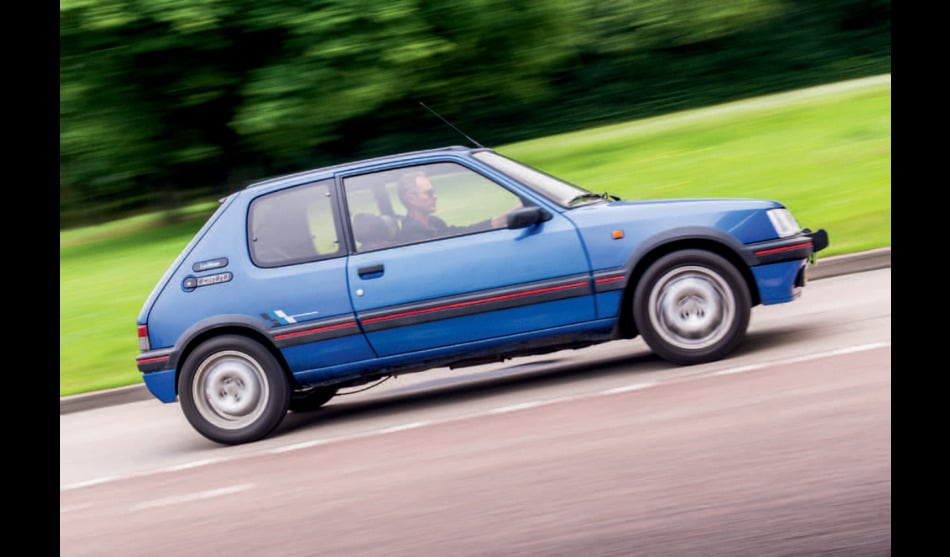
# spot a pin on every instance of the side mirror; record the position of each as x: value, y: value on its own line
x: 523, y: 217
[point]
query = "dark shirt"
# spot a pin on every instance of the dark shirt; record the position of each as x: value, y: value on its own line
x: 412, y: 230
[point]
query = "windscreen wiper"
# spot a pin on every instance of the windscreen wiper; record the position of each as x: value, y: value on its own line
x: 592, y: 197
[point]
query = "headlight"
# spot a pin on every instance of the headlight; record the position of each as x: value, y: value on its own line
x: 783, y: 222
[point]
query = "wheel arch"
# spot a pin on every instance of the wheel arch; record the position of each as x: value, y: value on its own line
x: 202, y: 332
x: 643, y: 259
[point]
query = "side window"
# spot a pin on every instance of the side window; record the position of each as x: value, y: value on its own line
x: 369, y: 200
x: 423, y: 202
x: 293, y: 226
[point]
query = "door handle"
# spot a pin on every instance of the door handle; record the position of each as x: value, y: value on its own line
x: 370, y: 271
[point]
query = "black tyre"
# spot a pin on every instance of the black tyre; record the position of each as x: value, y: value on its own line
x: 307, y: 400
x: 233, y: 390
x: 691, y: 307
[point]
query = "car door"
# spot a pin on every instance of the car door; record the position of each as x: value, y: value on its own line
x: 297, y: 284
x: 471, y: 284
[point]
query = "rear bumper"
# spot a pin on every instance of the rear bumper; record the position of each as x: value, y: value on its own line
x: 161, y: 384
x: 155, y: 360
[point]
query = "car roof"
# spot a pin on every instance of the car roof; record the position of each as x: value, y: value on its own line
x: 325, y: 170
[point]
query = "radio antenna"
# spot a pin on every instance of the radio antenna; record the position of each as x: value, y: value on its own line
x: 439, y: 116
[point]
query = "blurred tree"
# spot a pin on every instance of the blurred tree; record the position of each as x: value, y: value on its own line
x: 344, y: 61
x: 637, y: 27
x: 169, y: 95
x: 146, y: 91
x: 105, y: 139
x: 162, y: 101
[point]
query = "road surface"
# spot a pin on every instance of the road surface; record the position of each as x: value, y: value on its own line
x: 782, y: 449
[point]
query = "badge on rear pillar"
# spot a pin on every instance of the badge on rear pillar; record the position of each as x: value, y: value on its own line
x: 190, y: 283
x: 210, y: 264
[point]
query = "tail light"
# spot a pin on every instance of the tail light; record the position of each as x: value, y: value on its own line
x: 144, y: 346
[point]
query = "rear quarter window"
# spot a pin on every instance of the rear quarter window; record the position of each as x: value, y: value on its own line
x: 292, y: 226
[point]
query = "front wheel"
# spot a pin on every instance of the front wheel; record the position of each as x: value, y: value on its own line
x: 233, y: 390
x: 692, y: 307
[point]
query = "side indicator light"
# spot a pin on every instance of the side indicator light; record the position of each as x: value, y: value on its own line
x: 617, y: 234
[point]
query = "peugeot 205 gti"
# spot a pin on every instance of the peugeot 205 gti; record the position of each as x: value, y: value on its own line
x: 302, y: 285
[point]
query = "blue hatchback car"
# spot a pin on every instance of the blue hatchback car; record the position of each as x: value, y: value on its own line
x: 306, y: 284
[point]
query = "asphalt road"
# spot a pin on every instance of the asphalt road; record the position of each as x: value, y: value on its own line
x: 830, y: 267
x: 783, y: 449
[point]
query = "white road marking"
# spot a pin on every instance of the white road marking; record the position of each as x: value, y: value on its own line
x: 194, y: 464
x: 516, y: 407
x: 838, y: 352
x: 498, y: 410
x: 628, y: 388
x: 297, y: 446
x: 88, y: 483
x: 74, y: 508
x: 412, y: 425
x: 167, y: 501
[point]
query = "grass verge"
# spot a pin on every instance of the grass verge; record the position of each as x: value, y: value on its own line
x: 824, y: 152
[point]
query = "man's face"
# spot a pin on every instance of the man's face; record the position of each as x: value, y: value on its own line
x: 423, y: 196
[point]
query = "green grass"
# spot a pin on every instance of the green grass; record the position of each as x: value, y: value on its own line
x: 826, y: 154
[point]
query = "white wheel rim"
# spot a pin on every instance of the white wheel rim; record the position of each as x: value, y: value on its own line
x: 692, y: 307
x: 230, y: 390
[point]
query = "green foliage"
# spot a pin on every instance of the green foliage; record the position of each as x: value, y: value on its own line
x: 826, y: 153
x: 166, y: 101
x: 634, y: 27
x: 349, y: 60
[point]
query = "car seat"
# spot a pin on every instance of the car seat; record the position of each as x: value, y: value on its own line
x: 282, y: 239
x: 372, y: 231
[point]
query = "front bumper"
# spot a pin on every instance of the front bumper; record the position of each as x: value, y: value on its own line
x: 801, y: 246
x: 780, y: 267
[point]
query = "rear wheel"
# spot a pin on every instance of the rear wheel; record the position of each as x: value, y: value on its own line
x: 691, y: 307
x: 233, y: 390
